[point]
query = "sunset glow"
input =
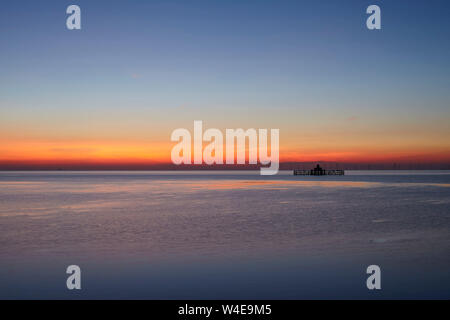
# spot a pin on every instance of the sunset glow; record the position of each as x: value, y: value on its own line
x: 112, y: 93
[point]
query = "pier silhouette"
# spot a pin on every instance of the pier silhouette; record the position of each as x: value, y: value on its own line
x: 319, y: 171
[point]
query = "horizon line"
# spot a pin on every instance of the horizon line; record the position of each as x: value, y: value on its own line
x: 287, y: 165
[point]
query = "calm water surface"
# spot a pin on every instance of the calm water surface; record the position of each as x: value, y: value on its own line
x: 230, y: 235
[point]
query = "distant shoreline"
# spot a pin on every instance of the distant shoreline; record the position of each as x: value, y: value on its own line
x: 9, y: 166
x: 240, y: 171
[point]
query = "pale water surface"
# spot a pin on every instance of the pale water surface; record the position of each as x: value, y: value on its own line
x: 230, y: 235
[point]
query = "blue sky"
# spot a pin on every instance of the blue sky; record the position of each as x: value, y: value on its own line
x: 232, y: 63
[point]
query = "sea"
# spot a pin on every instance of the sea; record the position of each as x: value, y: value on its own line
x: 224, y: 234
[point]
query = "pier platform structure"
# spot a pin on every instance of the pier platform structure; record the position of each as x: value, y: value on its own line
x: 318, y: 171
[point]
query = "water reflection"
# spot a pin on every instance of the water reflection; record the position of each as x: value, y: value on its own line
x: 280, y: 232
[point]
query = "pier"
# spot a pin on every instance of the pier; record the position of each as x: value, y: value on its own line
x: 318, y: 171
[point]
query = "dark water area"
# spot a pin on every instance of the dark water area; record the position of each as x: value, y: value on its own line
x: 224, y: 235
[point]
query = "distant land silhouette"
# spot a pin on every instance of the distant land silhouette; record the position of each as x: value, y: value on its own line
x: 11, y: 165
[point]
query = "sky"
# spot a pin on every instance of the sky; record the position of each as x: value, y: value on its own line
x: 114, y: 91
